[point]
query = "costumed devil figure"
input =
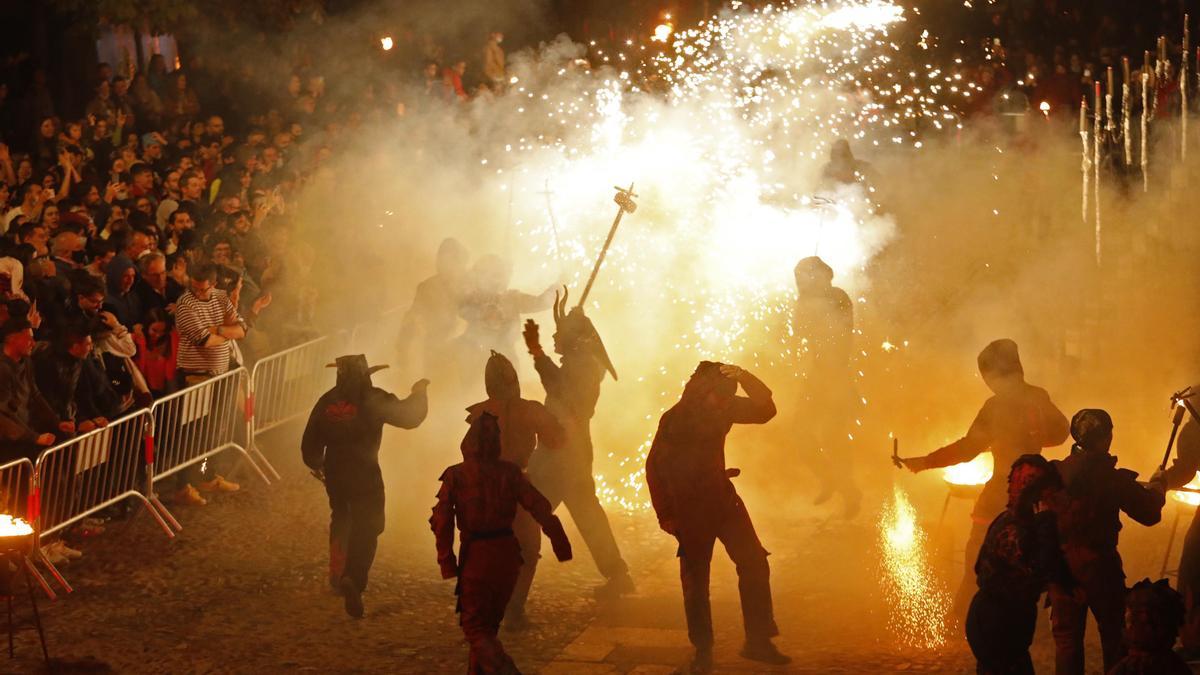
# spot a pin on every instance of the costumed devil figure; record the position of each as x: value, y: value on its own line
x: 1019, y: 419
x: 824, y: 420
x: 1019, y: 557
x: 565, y: 477
x: 1089, y: 523
x: 1153, y: 614
x: 697, y: 504
x: 341, y: 447
x: 492, y: 310
x: 432, y: 320
x: 524, y: 426
x: 481, y: 495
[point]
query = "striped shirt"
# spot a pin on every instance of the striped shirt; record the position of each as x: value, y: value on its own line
x: 193, y: 318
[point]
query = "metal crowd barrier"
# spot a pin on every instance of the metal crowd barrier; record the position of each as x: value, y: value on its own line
x: 90, y: 473
x: 286, y: 385
x: 18, y: 499
x: 194, y: 424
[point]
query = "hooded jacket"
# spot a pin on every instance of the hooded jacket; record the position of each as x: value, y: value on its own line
x: 524, y: 424
x: 481, y: 495
x: 685, y: 470
x: 345, y: 427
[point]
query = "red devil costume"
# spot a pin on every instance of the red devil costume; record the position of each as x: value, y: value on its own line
x: 341, y: 446
x: 1020, y: 419
x: 481, y: 495
x: 524, y: 425
x: 565, y: 477
x: 697, y: 504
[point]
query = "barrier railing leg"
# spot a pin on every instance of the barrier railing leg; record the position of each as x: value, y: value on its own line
x: 253, y: 464
x: 263, y: 462
x: 53, y: 572
x: 158, y: 517
x: 40, y: 579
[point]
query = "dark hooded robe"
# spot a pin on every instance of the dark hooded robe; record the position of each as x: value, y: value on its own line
x: 342, y: 440
x: 481, y: 496
x: 696, y: 502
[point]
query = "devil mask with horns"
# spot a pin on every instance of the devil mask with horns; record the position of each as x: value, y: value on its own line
x: 575, y: 334
x: 353, y: 375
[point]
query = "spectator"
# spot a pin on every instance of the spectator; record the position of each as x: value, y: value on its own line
x: 73, y: 392
x: 155, y: 288
x: 33, y: 198
x: 180, y: 101
x: 493, y: 60
x: 121, y: 299
x: 208, y: 324
x: 158, y: 345
x: 452, y: 84
x: 28, y: 424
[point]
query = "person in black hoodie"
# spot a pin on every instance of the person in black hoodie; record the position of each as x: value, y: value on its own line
x: 341, y: 446
x: 76, y: 392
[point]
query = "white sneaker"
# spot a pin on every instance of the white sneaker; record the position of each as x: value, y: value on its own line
x: 52, y: 555
x: 70, y: 553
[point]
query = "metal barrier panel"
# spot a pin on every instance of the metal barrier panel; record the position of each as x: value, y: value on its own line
x: 198, y: 422
x: 91, y: 472
x: 16, y: 480
x: 286, y: 385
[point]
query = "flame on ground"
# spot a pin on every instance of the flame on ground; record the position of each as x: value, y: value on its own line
x: 917, y: 601
x: 11, y: 526
x: 975, y: 472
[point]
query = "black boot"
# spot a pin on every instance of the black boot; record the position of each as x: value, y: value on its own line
x: 764, y: 651
x: 353, y: 597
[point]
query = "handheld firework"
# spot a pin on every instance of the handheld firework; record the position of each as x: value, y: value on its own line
x: 1181, y: 404
x: 625, y: 204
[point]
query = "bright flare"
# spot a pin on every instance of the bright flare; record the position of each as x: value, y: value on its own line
x: 1189, y: 498
x: 975, y: 472
x: 11, y: 526
x: 918, y: 603
x: 386, y: 43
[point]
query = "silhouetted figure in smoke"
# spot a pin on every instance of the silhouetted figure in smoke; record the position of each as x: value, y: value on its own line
x: 565, y: 477
x: 432, y: 320
x: 1097, y: 492
x: 843, y: 168
x: 341, y: 446
x: 481, y: 495
x: 1153, y: 614
x: 1019, y: 557
x: 1019, y: 419
x: 493, y: 311
x: 524, y: 426
x: 697, y: 504
x: 823, y: 326
x: 1182, y: 472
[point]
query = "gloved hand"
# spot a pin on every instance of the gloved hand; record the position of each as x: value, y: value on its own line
x: 449, y: 567
x: 533, y: 341
x: 915, y: 464
x: 562, y: 549
x: 1158, y: 481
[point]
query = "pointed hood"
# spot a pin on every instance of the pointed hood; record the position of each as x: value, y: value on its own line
x: 576, y: 334
x: 482, y: 442
x: 500, y: 378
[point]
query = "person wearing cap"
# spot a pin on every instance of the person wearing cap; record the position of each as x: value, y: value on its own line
x: 565, y: 477
x: 341, y: 447
x: 1018, y: 419
x: 524, y: 426
x: 1089, y: 522
x: 696, y: 502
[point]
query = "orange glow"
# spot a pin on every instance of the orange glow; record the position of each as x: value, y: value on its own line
x: 975, y: 472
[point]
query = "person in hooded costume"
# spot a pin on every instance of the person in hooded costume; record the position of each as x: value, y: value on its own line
x: 1089, y: 522
x: 481, y: 496
x: 524, y: 426
x: 432, y: 320
x: 492, y: 311
x: 565, y: 477
x: 823, y: 323
x: 1019, y: 419
x: 696, y: 502
x: 341, y: 446
x: 1019, y: 557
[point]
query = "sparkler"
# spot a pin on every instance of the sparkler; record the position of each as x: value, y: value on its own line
x: 919, y: 604
x: 1146, y: 124
x: 625, y: 204
x: 1086, y: 166
x: 1097, y: 137
x: 1126, y: 109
